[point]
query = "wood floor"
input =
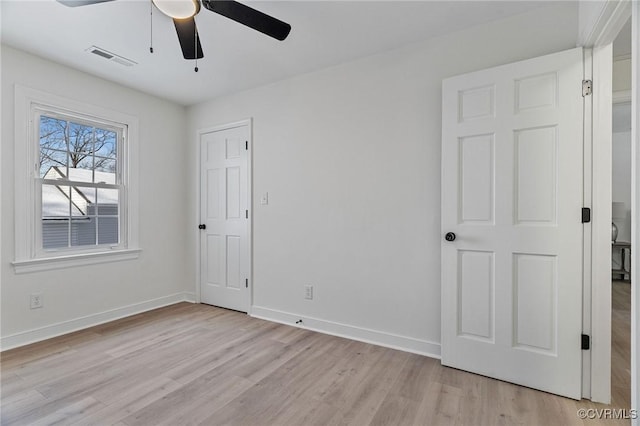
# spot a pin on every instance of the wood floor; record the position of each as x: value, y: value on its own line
x: 621, y: 343
x: 196, y: 364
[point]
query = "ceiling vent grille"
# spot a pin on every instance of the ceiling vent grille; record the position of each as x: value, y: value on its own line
x: 111, y: 56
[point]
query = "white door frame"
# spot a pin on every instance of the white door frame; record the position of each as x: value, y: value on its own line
x: 603, y: 32
x: 601, y: 196
x: 199, y: 133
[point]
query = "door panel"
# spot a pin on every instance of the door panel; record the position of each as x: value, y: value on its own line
x: 475, y: 295
x: 476, y: 183
x: 225, y: 246
x: 535, y: 288
x: 512, y: 173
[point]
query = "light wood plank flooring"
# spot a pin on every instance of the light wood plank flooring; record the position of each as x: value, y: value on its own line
x: 196, y: 364
x: 621, y: 343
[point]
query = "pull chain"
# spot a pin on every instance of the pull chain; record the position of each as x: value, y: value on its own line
x: 195, y: 48
x: 151, y: 19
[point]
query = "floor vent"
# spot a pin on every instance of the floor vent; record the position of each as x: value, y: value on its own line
x: 111, y: 56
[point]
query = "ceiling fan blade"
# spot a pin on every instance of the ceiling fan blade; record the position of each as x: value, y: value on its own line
x: 252, y: 18
x: 74, y: 3
x: 189, y: 38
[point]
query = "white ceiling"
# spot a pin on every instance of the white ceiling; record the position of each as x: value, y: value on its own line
x: 324, y: 33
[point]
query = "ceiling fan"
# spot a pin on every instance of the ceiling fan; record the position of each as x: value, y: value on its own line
x: 183, y: 12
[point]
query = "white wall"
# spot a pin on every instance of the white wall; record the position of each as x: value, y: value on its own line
x: 621, y: 157
x: 350, y: 157
x: 622, y: 74
x: 80, y: 296
x: 621, y: 148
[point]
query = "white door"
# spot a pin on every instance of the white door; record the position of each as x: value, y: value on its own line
x: 512, y: 191
x: 225, y: 242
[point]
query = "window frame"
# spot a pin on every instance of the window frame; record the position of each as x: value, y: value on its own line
x: 30, y: 255
x: 120, y: 184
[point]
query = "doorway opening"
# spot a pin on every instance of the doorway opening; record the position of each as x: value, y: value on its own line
x: 621, y: 213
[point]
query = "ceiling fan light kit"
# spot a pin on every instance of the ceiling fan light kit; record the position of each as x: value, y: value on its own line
x: 183, y: 13
x: 178, y: 9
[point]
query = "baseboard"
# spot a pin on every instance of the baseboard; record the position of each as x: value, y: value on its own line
x: 49, y: 331
x: 394, y: 341
x: 375, y: 337
x: 189, y: 296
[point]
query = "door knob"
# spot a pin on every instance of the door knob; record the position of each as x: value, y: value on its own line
x: 202, y: 226
x: 450, y: 236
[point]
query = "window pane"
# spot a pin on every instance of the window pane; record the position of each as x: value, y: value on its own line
x: 80, y: 141
x: 55, y: 233
x: 83, y: 231
x: 52, y: 133
x: 81, y: 200
x: 108, y: 201
x: 55, y: 201
x: 105, y: 170
x: 108, y: 223
x: 105, y: 143
x: 83, y: 172
x: 53, y: 164
x: 80, y: 153
x: 83, y: 169
x: 55, y: 216
x: 108, y: 230
x: 53, y: 146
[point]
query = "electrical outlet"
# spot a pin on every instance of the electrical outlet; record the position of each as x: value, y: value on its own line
x: 308, y: 292
x: 36, y: 300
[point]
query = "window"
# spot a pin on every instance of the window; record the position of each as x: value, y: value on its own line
x: 79, y: 182
x: 74, y: 201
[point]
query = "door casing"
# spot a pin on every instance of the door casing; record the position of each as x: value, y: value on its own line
x: 612, y: 17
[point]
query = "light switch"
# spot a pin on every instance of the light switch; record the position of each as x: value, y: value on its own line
x: 264, y: 200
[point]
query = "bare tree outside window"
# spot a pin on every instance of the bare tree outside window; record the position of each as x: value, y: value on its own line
x: 67, y: 144
x: 80, y: 192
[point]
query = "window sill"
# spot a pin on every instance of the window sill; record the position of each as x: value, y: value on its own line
x: 70, y: 261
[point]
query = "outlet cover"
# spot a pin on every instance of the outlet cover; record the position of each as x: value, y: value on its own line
x: 35, y: 300
x: 308, y: 292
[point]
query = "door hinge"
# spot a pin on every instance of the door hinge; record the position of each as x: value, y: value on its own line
x: 587, y: 87
x: 246, y: 145
x: 586, y: 215
x: 246, y: 214
x: 586, y: 342
x: 246, y: 283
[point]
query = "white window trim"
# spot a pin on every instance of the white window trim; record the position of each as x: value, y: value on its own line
x: 28, y: 256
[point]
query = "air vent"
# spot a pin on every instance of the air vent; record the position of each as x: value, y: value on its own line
x: 111, y: 56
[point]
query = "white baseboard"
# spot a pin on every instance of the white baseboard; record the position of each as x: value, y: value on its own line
x: 189, y: 296
x: 394, y: 341
x: 403, y: 343
x: 49, y: 331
